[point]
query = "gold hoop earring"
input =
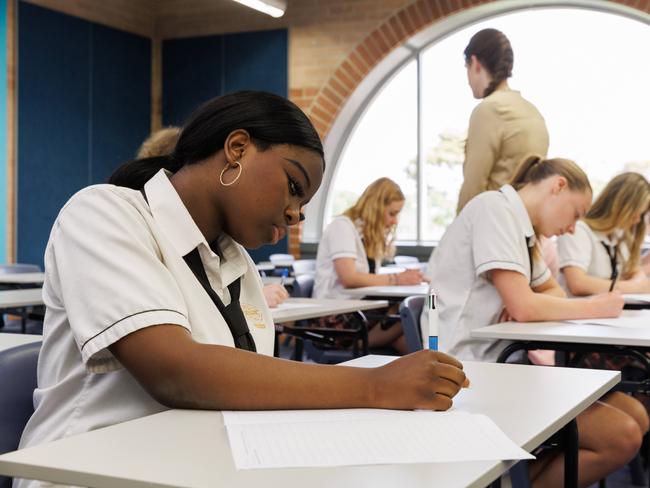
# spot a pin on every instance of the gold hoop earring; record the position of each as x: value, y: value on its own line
x: 236, y: 178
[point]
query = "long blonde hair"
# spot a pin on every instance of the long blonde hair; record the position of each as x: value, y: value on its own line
x: 369, y: 214
x: 614, y: 209
x: 534, y: 169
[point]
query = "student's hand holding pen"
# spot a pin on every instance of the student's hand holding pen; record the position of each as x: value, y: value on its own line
x: 608, y: 304
x: 275, y: 294
x: 421, y: 380
x: 410, y: 277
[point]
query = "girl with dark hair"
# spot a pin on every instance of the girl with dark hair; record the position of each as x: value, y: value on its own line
x: 153, y: 303
x: 487, y: 268
x: 504, y: 128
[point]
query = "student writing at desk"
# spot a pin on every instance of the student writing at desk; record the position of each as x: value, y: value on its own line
x: 604, y: 251
x: 606, y: 244
x: 488, y: 268
x: 152, y: 302
x: 353, y: 247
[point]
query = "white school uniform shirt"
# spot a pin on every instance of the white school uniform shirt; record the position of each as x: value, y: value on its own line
x: 113, y: 265
x: 341, y: 239
x: 493, y: 231
x: 584, y: 249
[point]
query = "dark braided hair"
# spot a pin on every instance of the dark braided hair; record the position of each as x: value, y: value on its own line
x: 492, y: 48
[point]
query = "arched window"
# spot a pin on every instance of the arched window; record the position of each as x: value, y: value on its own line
x: 584, y: 69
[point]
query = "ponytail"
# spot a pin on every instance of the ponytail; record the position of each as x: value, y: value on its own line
x: 134, y: 174
x: 534, y: 169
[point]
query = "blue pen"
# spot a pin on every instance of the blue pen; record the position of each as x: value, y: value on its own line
x: 433, y: 322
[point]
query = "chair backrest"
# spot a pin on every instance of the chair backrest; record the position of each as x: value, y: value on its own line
x: 303, y: 285
x: 304, y: 266
x: 17, y: 384
x: 19, y: 268
x: 409, y: 311
x: 401, y: 260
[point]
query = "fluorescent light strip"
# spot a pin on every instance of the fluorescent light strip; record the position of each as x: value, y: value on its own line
x: 273, y: 8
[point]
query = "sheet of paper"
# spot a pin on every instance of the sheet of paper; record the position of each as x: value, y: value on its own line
x: 281, y: 439
x: 636, y: 297
x: 635, y: 319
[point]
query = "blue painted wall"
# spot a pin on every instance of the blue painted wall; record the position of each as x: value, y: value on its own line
x: 3, y: 132
x: 83, y: 108
x: 200, y: 68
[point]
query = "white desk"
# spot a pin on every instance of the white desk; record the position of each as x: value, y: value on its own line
x: 7, y: 341
x: 311, y: 308
x: 389, y: 291
x: 565, y: 332
x: 21, y: 298
x: 187, y: 448
x: 22, y: 278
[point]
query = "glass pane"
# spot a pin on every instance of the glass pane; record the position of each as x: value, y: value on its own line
x: 383, y: 143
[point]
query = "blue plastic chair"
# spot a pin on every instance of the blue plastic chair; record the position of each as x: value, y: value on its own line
x: 17, y: 384
x: 409, y: 312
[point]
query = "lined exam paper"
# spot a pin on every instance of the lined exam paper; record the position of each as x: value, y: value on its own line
x: 346, y: 437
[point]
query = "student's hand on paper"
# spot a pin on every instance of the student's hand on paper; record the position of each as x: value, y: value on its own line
x: 410, y: 277
x: 504, y: 316
x: 421, y: 380
x: 607, y: 304
x: 275, y: 294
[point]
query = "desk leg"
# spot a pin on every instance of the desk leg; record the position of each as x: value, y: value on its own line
x: 570, y: 441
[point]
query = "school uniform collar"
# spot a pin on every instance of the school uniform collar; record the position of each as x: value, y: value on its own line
x: 610, y: 241
x: 521, y: 214
x: 177, y: 224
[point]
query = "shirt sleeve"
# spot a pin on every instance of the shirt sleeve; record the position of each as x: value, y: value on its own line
x: 496, y: 239
x: 341, y: 239
x: 110, y: 274
x: 575, y: 249
x: 481, y: 152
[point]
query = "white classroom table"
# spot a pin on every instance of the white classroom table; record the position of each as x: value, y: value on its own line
x: 389, y: 291
x: 7, y: 340
x: 313, y: 308
x: 26, y: 297
x: 185, y: 448
x: 22, y: 278
x: 566, y: 332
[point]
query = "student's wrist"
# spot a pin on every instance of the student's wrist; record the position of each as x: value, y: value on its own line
x: 392, y: 279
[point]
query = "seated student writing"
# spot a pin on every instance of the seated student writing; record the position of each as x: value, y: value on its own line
x: 162, y: 143
x: 353, y: 247
x: 606, y: 244
x: 152, y: 302
x: 488, y: 268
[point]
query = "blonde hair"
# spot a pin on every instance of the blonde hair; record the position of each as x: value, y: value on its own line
x: 534, y: 169
x: 614, y: 209
x: 369, y: 213
x: 159, y: 143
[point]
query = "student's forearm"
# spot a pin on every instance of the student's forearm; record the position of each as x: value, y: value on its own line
x: 592, y: 285
x: 539, y: 307
x: 247, y: 381
x: 205, y: 376
x: 358, y: 280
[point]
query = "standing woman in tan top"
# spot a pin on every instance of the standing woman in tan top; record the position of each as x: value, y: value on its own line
x: 504, y: 128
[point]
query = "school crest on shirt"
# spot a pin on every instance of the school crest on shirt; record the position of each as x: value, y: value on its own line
x: 253, y: 315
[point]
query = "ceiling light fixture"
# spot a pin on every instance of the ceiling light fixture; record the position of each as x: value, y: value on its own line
x: 274, y: 8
